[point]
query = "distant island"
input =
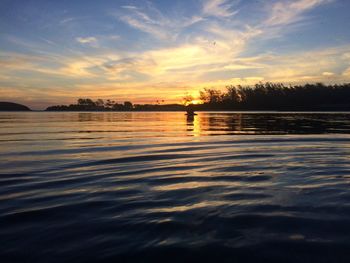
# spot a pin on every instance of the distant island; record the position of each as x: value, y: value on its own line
x: 260, y: 97
x: 10, y: 106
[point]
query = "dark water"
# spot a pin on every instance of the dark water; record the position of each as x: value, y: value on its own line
x: 157, y: 187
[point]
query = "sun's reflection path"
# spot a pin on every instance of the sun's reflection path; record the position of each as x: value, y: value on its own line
x: 194, y: 125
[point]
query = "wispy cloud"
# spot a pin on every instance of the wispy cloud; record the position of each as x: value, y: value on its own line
x: 129, y: 7
x: 291, y: 11
x: 67, y: 20
x: 327, y: 74
x: 346, y: 73
x: 150, y: 20
x: 145, y: 24
x: 219, y: 8
x: 87, y: 40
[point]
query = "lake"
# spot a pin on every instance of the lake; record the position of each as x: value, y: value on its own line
x: 158, y: 186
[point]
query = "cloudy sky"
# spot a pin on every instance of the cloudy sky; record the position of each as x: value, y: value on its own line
x: 52, y: 52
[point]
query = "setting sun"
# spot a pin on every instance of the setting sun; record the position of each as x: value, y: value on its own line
x: 195, y: 102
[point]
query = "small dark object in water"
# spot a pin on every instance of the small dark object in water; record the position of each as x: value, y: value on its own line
x: 190, y: 113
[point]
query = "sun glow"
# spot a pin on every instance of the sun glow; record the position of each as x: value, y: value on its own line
x: 196, y: 101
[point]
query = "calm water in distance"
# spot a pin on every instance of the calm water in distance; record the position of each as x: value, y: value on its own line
x: 161, y: 187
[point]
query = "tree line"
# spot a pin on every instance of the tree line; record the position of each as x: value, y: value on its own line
x: 277, y: 96
x: 110, y: 105
x: 261, y: 96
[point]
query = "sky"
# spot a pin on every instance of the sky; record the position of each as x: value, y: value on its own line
x: 53, y: 52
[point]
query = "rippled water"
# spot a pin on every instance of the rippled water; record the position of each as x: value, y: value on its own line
x: 146, y: 187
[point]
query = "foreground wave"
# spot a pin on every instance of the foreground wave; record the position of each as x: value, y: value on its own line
x: 145, y: 187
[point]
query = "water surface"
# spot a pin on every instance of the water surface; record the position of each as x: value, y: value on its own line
x: 146, y: 187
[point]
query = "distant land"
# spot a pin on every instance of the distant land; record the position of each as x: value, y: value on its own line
x: 101, y: 105
x: 260, y: 97
x: 10, y: 106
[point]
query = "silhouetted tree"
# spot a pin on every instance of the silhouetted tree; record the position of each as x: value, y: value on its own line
x: 187, y: 99
x: 99, y: 103
x: 118, y: 107
x: 109, y: 104
x: 231, y: 96
x: 86, y: 102
x: 127, y: 105
x: 211, y: 96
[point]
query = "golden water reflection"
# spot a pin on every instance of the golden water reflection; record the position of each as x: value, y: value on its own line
x: 216, y: 123
x: 172, y: 124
